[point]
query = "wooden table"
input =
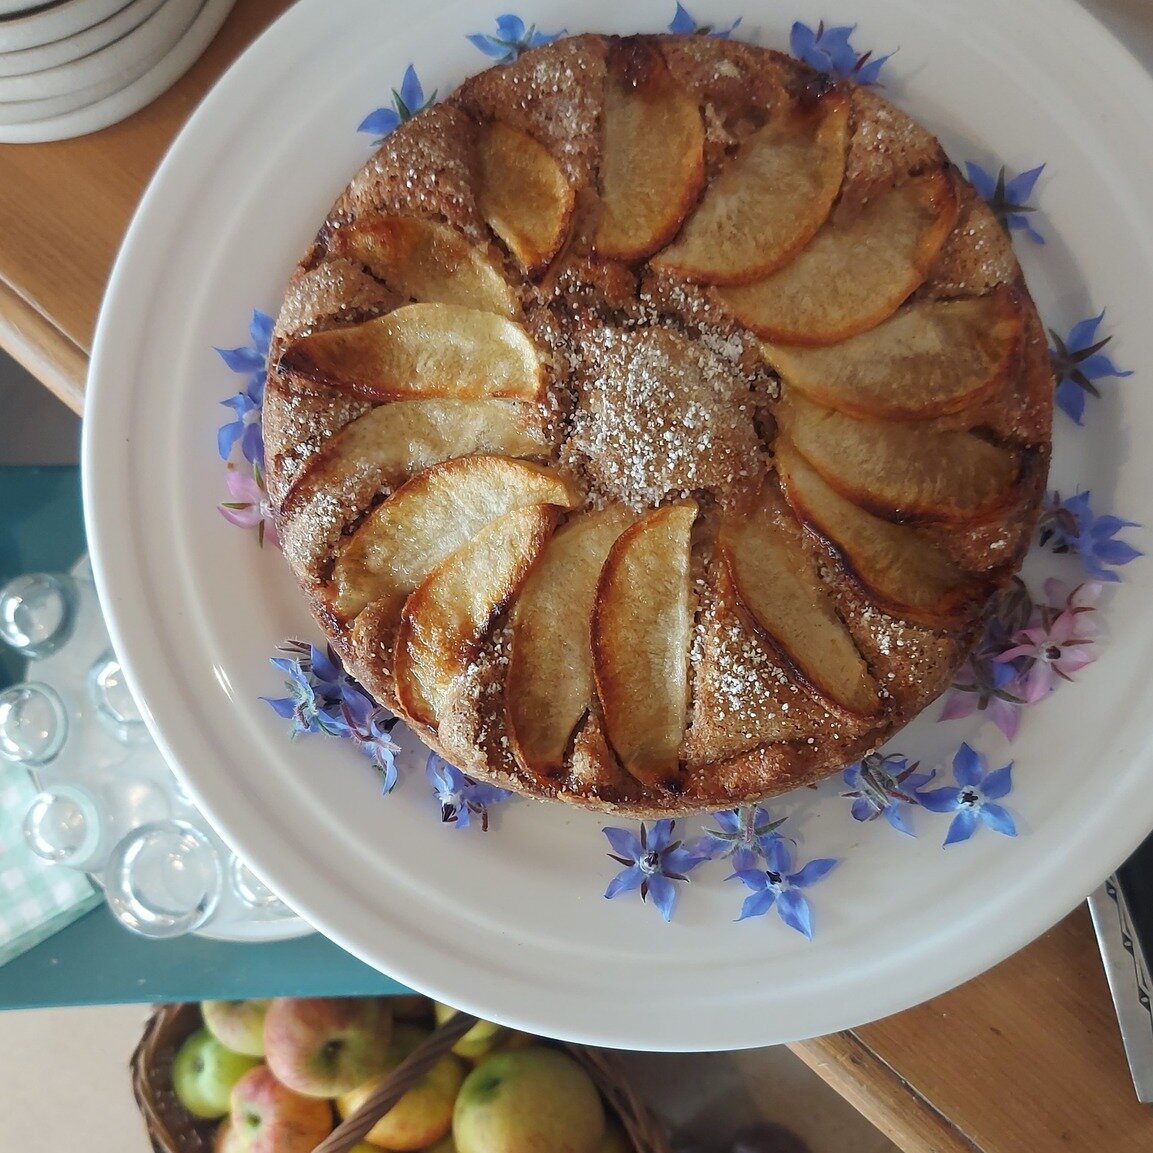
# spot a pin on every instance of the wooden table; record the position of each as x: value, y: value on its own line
x: 1027, y: 1057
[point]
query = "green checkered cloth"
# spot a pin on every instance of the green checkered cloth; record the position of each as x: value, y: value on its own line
x: 37, y: 898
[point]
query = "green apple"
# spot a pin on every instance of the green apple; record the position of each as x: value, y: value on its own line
x: 267, y: 1117
x: 326, y: 1046
x: 424, y: 1114
x: 237, y: 1024
x: 478, y: 1041
x: 528, y: 1100
x: 204, y: 1072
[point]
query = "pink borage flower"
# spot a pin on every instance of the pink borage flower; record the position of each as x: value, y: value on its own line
x: 1059, y: 639
x: 249, y: 506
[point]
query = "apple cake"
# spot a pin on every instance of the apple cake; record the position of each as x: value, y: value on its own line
x: 650, y: 421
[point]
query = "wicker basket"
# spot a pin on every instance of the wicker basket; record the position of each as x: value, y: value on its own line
x: 173, y: 1130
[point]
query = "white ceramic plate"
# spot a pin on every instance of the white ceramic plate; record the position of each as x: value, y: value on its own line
x: 512, y: 923
x: 116, y: 64
x: 71, y: 48
x: 23, y: 29
x: 96, y: 112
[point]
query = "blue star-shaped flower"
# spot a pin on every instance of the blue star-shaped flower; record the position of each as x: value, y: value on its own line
x: 742, y: 835
x: 682, y: 24
x: 653, y: 863
x: 250, y: 359
x: 405, y: 105
x: 1008, y: 197
x: 1070, y: 526
x: 828, y: 50
x: 511, y: 39
x: 461, y: 798
x: 884, y: 784
x: 1078, y: 361
x: 975, y: 798
x: 302, y: 705
x: 779, y: 885
x: 323, y: 697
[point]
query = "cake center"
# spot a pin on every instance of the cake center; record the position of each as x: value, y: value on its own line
x: 660, y: 416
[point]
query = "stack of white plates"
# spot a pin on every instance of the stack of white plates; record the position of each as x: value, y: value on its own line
x: 68, y: 67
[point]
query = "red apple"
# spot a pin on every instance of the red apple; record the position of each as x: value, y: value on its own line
x: 424, y: 1114
x: 268, y: 1117
x: 238, y: 1025
x: 325, y: 1046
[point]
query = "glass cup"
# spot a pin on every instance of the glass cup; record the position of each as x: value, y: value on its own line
x: 253, y: 893
x: 64, y: 825
x: 37, y: 613
x: 33, y: 723
x: 114, y: 704
x: 163, y: 879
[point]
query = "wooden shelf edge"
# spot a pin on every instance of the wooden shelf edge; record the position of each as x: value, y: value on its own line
x: 881, y: 1095
x: 40, y: 347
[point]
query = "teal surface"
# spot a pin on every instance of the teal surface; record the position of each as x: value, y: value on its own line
x: 95, y: 960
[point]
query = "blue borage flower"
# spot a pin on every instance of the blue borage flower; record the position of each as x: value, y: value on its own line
x: 405, y: 105
x: 653, y: 863
x: 323, y: 698
x: 828, y: 50
x: 511, y: 39
x: 683, y: 24
x: 885, y: 784
x: 1008, y: 197
x: 1071, y: 526
x: 742, y: 835
x: 251, y: 360
x: 461, y: 798
x: 975, y: 797
x: 1078, y: 361
x: 778, y: 885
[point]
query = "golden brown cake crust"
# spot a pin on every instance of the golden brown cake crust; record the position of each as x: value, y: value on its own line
x: 642, y: 368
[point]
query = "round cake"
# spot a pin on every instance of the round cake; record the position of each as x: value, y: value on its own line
x: 650, y: 421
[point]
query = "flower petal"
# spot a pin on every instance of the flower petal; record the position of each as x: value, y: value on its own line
x: 998, y: 818
x: 968, y: 765
x: 998, y: 783
x: 757, y: 904
x: 962, y: 826
x: 813, y: 872
x: 795, y: 912
x: 380, y: 123
x: 942, y: 800
x: 664, y: 895
x: 625, y: 881
x: 624, y: 842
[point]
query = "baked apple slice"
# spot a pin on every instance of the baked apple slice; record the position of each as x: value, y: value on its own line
x: 423, y: 350
x: 396, y: 440
x: 402, y: 540
x: 929, y: 359
x: 641, y: 628
x: 523, y: 194
x: 776, y: 582
x: 899, y: 571
x: 769, y: 200
x: 901, y: 471
x: 427, y: 261
x: 856, y: 271
x: 549, y: 683
x: 652, y: 155
x: 444, y: 620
